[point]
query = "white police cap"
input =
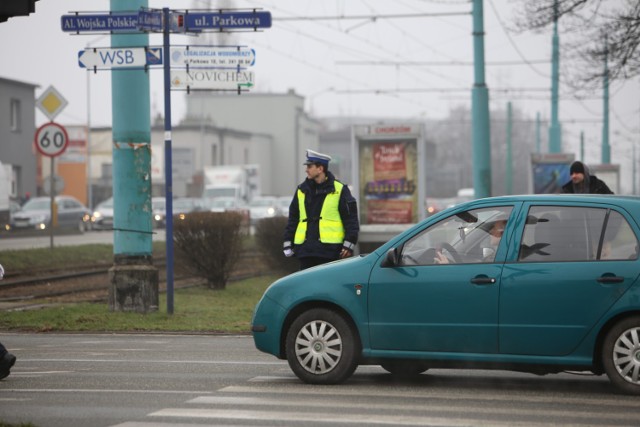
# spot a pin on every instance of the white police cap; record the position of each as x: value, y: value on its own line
x: 315, y: 157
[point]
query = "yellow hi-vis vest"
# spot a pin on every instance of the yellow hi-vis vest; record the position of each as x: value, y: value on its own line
x: 331, y: 227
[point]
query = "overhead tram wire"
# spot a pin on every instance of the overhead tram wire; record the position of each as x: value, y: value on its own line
x: 438, y: 63
x: 369, y: 17
x: 332, y: 72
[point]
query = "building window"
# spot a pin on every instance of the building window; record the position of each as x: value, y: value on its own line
x: 15, y: 115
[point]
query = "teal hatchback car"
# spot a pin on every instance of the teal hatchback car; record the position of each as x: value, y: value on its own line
x: 537, y: 283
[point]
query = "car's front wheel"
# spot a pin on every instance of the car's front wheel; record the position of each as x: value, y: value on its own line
x: 621, y: 355
x: 322, y: 347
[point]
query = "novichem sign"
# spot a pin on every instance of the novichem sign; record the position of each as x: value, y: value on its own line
x: 139, y: 21
x: 211, y: 79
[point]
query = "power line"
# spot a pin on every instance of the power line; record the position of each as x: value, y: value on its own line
x: 369, y: 17
x: 439, y: 63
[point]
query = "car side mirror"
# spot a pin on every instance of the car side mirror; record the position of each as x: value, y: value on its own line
x: 391, y: 258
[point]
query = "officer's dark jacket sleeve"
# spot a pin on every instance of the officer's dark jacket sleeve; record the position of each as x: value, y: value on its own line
x: 349, y: 215
x: 292, y: 223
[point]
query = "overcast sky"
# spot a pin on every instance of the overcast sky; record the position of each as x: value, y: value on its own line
x: 420, y: 65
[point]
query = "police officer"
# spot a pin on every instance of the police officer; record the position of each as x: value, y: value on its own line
x: 323, y: 217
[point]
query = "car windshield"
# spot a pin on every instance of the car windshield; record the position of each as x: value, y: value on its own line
x: 262, y: 202
x: 37, y: 205
x: 183, y: 203
x: 107, y: 203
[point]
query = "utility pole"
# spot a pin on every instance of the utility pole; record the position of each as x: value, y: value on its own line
x: 480, y: 110
x: 555, y: 135
x: 509, y: 158
x: 606, y: 148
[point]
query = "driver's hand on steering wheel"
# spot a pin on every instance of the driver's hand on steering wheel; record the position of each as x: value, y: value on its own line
x: 441, y: 258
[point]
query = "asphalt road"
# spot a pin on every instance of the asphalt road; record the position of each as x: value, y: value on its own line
x: 183, y: 380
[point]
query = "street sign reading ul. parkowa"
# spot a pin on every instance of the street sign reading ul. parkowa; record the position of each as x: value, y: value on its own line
x: 211, y: 79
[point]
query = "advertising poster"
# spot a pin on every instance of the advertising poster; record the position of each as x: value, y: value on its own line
x: 388, y: 182
x: 550, y: 172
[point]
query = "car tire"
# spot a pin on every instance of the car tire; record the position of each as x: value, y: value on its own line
x: 404, y: 368
x: 322, y: 347
x: 621, y: 355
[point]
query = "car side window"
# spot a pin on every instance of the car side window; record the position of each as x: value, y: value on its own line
x: 561, y: 233
x: 619, y: 242
x: 466, y: 237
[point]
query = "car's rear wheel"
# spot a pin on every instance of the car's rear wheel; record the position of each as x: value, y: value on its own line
x: 404, y: 368
x: 322, y: 347
x: 621, y: 355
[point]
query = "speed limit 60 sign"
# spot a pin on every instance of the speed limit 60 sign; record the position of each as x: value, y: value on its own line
x: 51, y: 139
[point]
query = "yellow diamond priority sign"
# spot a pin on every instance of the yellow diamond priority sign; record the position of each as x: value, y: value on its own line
x: 51, y: 102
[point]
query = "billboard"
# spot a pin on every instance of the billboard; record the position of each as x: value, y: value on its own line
x: 550, y: 172
x: 389, y: 173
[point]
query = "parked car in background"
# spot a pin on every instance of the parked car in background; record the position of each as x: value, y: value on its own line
x: 283, y: 203
x: 36, y: 214
x: 102, y: 217
x: 158, y: 212
x: 434, y: 205
x: 557, y: 288
x: 227, y: 204
x: 13, y: 208
x: 263, y: 207
x: 182, y: 206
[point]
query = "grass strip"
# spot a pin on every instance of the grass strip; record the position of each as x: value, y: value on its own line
x: 196, y: 309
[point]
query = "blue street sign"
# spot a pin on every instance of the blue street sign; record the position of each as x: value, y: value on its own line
x: 116, y: 22
x: 197, y: 21
x: 150, y: 20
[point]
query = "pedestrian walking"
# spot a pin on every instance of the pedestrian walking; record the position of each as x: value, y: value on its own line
x: 323, y: 216
x: 583, y: 182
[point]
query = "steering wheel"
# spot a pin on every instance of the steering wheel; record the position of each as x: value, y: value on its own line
x: 454, y: 254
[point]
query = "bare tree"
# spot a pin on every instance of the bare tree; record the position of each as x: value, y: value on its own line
x: 587, y: 23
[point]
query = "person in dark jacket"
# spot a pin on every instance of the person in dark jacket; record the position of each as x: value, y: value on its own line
x: 7, y: 360
x: 583, y: 182
x: 323, y: 217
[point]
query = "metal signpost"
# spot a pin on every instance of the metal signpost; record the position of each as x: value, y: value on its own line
x: 51, y: 140
x: 197, y: 67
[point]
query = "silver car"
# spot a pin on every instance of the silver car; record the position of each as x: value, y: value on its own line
x: 102, y: 217
x: 36, y: 214
x: 263, y: 207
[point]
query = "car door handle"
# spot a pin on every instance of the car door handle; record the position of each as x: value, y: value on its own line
x: 483, y: 280
x: 610, y: 279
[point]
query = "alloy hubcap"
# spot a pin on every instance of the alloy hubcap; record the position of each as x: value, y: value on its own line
x: 626, y: 355
x: 318, y: 347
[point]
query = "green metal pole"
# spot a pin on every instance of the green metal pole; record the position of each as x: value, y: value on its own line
x: 538, y: 132
x: 134, y: 280
x: 509, y: 161
x: 606, y: 148
x: 582, y: 146
x: 555, y: 133
x: 480, y: 110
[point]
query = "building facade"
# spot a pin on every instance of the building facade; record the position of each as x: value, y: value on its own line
x: 17, y: 132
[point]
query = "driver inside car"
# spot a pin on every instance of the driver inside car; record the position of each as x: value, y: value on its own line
x: 488, y: 253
